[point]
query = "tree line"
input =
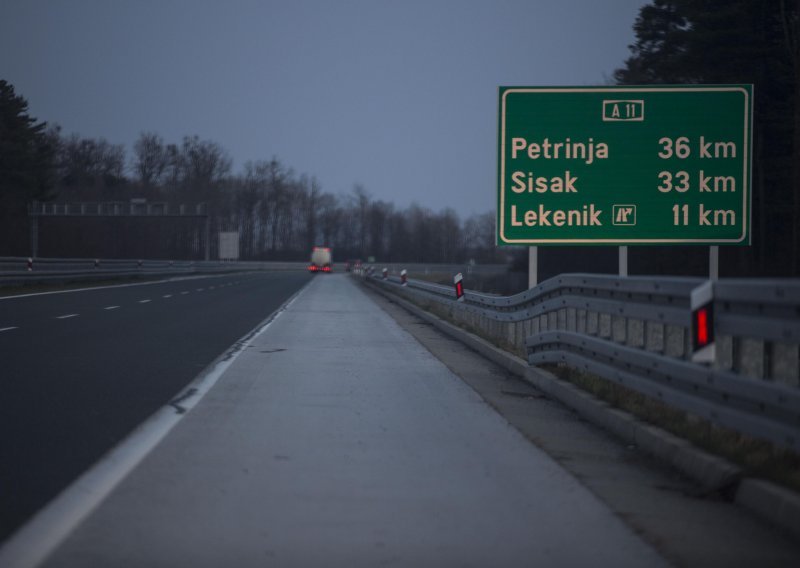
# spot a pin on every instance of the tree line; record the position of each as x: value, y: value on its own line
x: 735, y: 42
x: 278, y: 213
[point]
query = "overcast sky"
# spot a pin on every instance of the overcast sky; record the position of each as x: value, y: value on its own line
x: 398, y: 95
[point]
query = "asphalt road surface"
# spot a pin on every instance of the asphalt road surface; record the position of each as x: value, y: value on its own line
x: 81, y: 369
x: 336, y: 439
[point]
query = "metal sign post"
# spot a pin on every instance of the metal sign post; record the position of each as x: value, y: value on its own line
x: 533, y: 267
x: 623, y: 261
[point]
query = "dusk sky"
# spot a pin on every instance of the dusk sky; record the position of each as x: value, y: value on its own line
x: 398, y: 96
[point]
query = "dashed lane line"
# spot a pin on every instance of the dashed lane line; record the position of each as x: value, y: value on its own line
x: 167, y: 296
x: 67, y: 316
x: 93, y: 288
x: 111, y: 307
x: 2, y: 329
x: 145, y: 301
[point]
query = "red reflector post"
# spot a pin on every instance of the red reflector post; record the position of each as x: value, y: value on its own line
x: 458, y: 282
x: 702, y: 327
x: 702, y: 305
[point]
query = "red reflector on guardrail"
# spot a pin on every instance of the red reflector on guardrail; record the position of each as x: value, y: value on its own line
x: 702, y: 306
x: 702, y: 330
x: 458, y: 281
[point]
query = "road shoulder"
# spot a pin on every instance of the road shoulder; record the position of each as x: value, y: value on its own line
x: 686, y: 523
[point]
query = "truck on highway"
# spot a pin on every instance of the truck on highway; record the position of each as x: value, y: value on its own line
x: 321, y: 260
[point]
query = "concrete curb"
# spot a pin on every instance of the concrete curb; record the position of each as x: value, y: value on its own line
x: 776, y: 504
x: 769, y: 501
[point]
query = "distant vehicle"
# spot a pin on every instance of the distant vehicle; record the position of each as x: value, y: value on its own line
x: 321, y: 260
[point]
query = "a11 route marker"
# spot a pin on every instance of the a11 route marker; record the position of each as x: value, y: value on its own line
x: 625, y: 165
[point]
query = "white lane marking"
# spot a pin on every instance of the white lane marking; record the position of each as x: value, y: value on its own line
x: 7, y: 328
x: 90, y: 288
x: 110, y: 307
x: 67, y: 316
x: 184, y: 292
x: 199, y: 289
x: 39, y: 537
x: 167, y: 296
x: 211, y: 287
x: 144, y: 301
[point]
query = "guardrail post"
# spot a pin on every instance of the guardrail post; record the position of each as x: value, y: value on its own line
x: 96, y: 263
x: 30, y: 264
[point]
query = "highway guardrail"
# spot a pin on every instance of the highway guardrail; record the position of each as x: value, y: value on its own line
x: 636, y: 332
x: 20, y: 270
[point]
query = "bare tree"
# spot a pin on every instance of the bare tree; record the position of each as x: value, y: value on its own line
x: 89, y: 166
x: 150, y: 158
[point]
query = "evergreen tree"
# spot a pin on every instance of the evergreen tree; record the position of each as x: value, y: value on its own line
x: 732, y: 42
x: 27, y: 154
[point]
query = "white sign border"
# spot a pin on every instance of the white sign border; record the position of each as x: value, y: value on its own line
x: 746, y: 213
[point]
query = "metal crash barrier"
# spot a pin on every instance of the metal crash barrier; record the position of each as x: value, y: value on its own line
x: 636, y: 332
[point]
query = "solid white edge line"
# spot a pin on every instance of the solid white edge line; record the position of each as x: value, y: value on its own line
x: 32, y: 543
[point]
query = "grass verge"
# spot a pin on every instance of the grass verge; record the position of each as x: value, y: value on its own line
x: 757, y: 458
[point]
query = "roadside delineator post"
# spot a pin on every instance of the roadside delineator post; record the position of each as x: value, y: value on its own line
x: 96, y: 263
x: 30, y: 264
x: 458, y: 282
x: 701, y: 302
x: 140, y: 263
x: 404, y: 277
x: 385, y: 273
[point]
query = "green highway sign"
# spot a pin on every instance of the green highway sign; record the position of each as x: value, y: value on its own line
x: 625, y: 165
